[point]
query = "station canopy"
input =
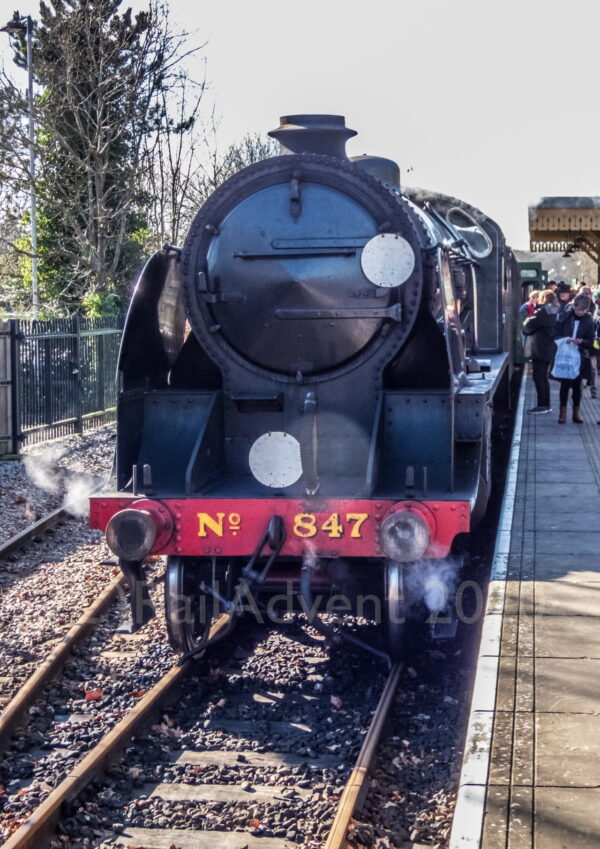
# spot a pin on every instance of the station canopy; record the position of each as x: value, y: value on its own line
x: 566, y: 224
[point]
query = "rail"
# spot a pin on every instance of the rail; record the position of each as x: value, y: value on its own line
x: 37, y: 829
x: 15, y: 711
x: 51, y: 519
x: 22, y: 537
x: 358, y: 783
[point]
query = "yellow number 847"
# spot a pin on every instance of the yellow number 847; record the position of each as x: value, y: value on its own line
x: 306, y: 525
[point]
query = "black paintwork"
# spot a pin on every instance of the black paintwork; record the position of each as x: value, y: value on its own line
x: 285, y: 324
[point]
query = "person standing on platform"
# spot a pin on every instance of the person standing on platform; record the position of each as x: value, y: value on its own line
x: 584, y: 289
x: 539, y: 331
x: 528, y: 308
x: 577, y: 327
x: 563, y: 291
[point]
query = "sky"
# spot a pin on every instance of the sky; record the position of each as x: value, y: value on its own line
x: 495, y: 103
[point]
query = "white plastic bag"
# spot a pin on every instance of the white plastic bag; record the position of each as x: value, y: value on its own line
x: 567, y: 362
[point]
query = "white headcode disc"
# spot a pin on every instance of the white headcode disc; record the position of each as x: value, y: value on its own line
x: 275, y: 459
x: 387, y: 260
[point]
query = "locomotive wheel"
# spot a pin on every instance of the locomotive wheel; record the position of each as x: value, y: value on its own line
x: 189, y: 610
x: 396, y: 607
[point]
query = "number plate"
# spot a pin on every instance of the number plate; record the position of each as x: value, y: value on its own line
x: 321, y: 528
x: 326, y: 527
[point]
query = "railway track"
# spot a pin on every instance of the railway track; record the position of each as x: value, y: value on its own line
x: 15, y: 712
x: 289, y: 769
x: 23, y: 537
x: 253, y: 769
x: 245, y: 765
x: 50, y: 520
x: 14, y: 709
x: 358, y: 783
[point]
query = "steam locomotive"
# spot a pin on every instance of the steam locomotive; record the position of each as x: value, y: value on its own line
x: 306, y: 388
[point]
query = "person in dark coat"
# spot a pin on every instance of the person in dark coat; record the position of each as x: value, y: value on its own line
x: 585, y: 290
x: 564, y: 294
x: 539, y: 330
x: 577, y: 327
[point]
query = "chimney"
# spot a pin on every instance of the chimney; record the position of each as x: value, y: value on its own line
x: 326, y: 134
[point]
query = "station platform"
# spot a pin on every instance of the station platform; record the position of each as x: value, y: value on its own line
x: 531, y: 769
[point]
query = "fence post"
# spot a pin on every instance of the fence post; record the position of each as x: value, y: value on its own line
x: 5, y: 391
x: 47, y: 347
x: 77, y: 376
x: 101, y: 370
x: 15, y: 385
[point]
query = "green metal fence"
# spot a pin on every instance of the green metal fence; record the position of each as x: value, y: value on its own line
x: 58, y: 377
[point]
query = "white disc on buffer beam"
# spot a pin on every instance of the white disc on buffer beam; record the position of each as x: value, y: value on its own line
x: 275, y: 459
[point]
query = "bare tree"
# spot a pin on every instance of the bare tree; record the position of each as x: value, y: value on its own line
x: 216, y: 166
x: 185, y: 170
x: 171, y: 159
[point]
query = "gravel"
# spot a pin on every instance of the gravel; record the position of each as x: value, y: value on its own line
x: 412, y: 794
x: 332, y: 693
x: 43, y: 593
x: 237, y: 702
x: 45, y: 587
x: 52, y: 474
x: 101, y: 682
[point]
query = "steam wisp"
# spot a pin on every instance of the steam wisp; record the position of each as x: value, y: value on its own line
x: 78, y: 490
x: 433, y: 582
x: 44, y: 471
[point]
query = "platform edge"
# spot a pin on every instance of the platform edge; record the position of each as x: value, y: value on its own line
x: 467, y: 824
